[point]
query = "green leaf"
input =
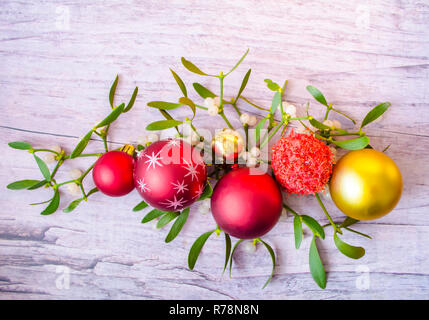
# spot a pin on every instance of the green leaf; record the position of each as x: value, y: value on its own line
x: 155, y: 213
x: 273, y: 258
x: 53, y: 205
x: 37, y: 203
x: 140, y: 206
x: 348, y: 250
x: 207, y: 192
x: 180, y: 83
x: 276, y: 102
x: 43, y: 168
x: 272, y: 85
x: 203, y: 91
x: 93, y: 190
x: 112, y: 116
x: 376, y: 112
x: 192, y: 67
x: 317, y: 124
x: 315, y: 227
x: 132, y: 100
x: 196, y: 248
x: 227, y: 250
x: 317, y: 95
x: 37, y: 185
x: 297, y: 228
x: 243, y: 84
x: 348, y: 222
x: 21, y: 145
x: 72, y: 205
x: 316, y: 266
x: 239, y: 62
x: 163, y: 124
x: 232, y: 254
x: 352, y: 144
x: 258, y: 129
x: 163, y: 105
x: 22, y: 184
x: 81, y: 145
x: 177, y: 226
x: 167, y: 218
x: 113, y: 90
x: 189, y: 103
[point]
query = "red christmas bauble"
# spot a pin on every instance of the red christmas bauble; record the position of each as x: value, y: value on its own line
x: 170, y: 174
x: 113, y: 173
x: 246, y: 203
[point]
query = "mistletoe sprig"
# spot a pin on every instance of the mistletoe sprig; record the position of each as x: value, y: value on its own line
x: 48, y: 181
x: 322, y: 129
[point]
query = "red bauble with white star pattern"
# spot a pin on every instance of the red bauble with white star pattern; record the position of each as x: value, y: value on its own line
x: 170, y: 174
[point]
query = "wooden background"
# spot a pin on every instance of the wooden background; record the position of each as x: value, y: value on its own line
x: 57, y: 62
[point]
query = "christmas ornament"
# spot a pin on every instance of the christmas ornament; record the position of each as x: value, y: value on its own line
x: 302, y: 163
x: 170, y: 175
x: 246, y: 203
x: 228, y: 144
x: 366, y: 184
x: 113, y: 173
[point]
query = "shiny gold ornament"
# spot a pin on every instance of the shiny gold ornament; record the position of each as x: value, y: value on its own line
x: 366, y: 184
x: 228, y: 144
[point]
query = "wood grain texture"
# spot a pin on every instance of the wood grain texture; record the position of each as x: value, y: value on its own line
x: 58, y: 59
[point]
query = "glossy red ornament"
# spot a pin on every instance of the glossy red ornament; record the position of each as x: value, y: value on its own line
x: 113, y: 173
x: 170, y: 174
x: 246, y: 203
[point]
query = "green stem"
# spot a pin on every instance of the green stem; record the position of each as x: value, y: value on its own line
x: 328, y: 108
x: 272, y: 134
x: 336, y: 229
x: 222, y: 114
x: 45, y: 150
x: 344, y: 115
x: 254, y: 105
x: 290, y: 209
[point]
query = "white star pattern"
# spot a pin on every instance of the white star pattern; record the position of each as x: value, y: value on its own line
x: 192, y: 170
x: 175, y: 203
x: 180, y: 186
x: 199, y: 192
x: 173, y: 143
x: 142, y: 185
x: 154, y: 160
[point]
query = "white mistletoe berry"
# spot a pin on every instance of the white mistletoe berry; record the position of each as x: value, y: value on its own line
x: 337, y: 124
x: 56, y: 148
x: 142, y: 140
x: 216, y: 101
x: 251, y: 162
x: 75, y: 173
x: 209, y: 102
x: 328, y: 123
x: 73, y: 189
x: 203, y: 209
x: 153, y: 137
x: 244, y: 118
x: 249, y: 247
x: 213, y: 110
x: 49, y: 157
x: 255, y: 152
x: 291, y: 110
x: 252, y: 121
x: 245, y: 155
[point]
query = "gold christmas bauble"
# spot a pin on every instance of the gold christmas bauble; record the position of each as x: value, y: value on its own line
x: 366, y: 184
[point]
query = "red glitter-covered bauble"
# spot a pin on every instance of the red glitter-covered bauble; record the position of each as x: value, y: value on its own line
x: 302, y: 163
x: 170, y: 174
x: 113, y: 173
x: 246, y: 203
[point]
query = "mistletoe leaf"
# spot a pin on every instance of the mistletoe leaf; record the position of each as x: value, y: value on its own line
x: 189, y: 103
x: 352, y: 144
x: 258, y: 129
x: 317, y: 95
x: 167, y: 218
x: 132, y: 100
x: 196, y: 248
x: 179, y: 82
x: 276, y: 102
x: 155, y: 213
x: 163, y: 124
x: 113, y: 90
x: 316, y: 266
x: 375, y: 113
x: 37, y: 185
x: 273, y: 258
x: 72, y: 205
x: 81, y: 145
x: 192, y: 67
x: 142, y: 205
x: 243, y: 84
x: 297, y: 227
x: 207, y: 192
x: 315, y: 226
x: 203, y: 91
x: 348, y: 222
x: 347, y: 249
x: 239, y: 62
x: 177, y: 226
x: 53, y: 205
x: 43, y: 168
x: 20, y: 145
x: 272, y: 85
x: 317, y: 124
x: 112, y: 116
x: 163, y: 105
x: 227, y: 250
x: 22, y: 184
x: 232, y: 254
